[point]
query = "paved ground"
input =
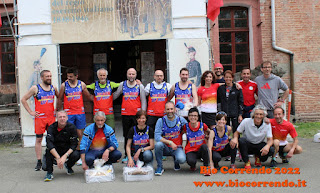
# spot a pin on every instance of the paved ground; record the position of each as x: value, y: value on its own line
x: 17, y: 175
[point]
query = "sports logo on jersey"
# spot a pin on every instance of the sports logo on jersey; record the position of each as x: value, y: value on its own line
x: 250, y: 88
x: 266, y: 86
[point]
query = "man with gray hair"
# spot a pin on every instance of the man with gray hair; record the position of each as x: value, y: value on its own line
x: 133, y: 100
x: 254, y: 131
x: 62, y: 141
x: 103, y: 99
x: 98, y: 141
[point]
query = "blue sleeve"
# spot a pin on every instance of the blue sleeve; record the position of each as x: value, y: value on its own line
x: 158, y: 130
x: 85, y: 141
x: 183, y: 121
x: 112, y: 136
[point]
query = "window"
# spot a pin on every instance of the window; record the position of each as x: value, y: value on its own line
x: 7, y: 51
x: 234, y: 38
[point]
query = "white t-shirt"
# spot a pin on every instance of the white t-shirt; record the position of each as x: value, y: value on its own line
x: 252, y: 133
x: 157, y: 86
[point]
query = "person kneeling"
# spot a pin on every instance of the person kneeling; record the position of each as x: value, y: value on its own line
x: 98, y: 141
x: 255, y: 131
x: 62, y: 141
x: 218, y: 142
x: 196, y: 146
x: 280, y: 129
x: 140, y: 141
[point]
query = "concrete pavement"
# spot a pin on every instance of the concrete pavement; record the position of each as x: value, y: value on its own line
x: 17, y: 175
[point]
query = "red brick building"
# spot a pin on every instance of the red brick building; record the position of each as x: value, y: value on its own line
x: 242, y: 36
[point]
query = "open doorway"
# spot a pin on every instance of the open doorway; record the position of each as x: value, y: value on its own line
x: 116, y: 57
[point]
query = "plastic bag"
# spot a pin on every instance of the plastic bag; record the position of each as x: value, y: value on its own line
x: 100, y: 172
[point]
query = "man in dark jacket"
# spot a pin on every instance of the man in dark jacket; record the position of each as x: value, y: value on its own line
x: 230, y: 100
x: 62, y: 141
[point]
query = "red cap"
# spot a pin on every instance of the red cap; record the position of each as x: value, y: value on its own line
x: 218, y: 65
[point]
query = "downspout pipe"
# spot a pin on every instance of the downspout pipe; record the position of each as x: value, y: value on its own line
x: 290, y: 53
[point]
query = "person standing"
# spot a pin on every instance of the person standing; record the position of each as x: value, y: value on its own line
x: 207, y: 96
x: 71, y: 93
x: 43, y: 114
x: 133, y: 100
x: 62, y: 141
x: 103, y: 98
x: 184, y: 92
x: 231, y: 100
x: 218, y: 71
x: 268, y: 89
x: 249, y: 89
x: 158, y: 92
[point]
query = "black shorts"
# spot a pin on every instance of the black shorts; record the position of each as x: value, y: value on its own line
x: 209, y: 118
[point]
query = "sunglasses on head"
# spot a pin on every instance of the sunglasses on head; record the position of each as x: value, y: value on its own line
x: 222, y: 113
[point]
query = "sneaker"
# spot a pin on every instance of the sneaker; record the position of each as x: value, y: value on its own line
x: 38, y: 166
x: 273, y: 164
x: 207, y: 174
x: 176, y: 167
x: 228, y: 158
x: 48, y: 177
x: 159, y: 171
x: 79, y: 162
x: 257, y: 163
x: 285, y: 160
x: 164, y: 158
x: 69, y: 170
x: 247, y: 165
x: 232, y: 166
x: 193, y: 169
x: 125, y: 160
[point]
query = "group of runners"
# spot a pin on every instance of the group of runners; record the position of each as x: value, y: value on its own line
x: 212, y: 117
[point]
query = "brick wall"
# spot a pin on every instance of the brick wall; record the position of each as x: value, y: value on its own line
x: 297, y: 29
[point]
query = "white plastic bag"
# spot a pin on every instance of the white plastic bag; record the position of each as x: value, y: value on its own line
x: 138, y: 173
x: 100, y: 173
x: 316, y: 138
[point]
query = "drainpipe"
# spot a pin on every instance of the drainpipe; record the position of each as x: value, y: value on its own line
x: 291, y: 54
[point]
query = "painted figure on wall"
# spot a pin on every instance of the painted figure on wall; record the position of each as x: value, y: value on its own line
x: 193, y: 66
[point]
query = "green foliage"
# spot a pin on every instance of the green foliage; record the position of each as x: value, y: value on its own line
x: 307, y: 130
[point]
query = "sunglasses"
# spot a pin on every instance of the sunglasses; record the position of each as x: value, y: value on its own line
x: 222, y: 113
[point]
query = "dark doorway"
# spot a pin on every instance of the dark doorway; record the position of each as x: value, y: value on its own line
x: 119, y: 57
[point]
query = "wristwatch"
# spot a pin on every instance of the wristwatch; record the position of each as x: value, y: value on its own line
x: 142, y: 149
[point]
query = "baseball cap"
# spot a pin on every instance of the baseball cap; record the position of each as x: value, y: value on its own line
x: 218, y: 65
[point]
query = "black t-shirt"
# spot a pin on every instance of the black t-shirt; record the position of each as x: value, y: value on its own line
x: 141, y: 132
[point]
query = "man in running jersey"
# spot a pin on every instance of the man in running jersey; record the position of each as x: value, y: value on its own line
x: 103, y: 98
x: 249, y: 88
x: 133, y: 100
x: 71, y: 93
x: 169, y: 139
x: 280, y: 129
x: 158, y: 92
x: 184, y: 92
x: 43, y: 114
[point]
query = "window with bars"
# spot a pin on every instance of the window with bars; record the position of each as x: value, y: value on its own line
x: 7, y: 51
x: 234, y: 38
